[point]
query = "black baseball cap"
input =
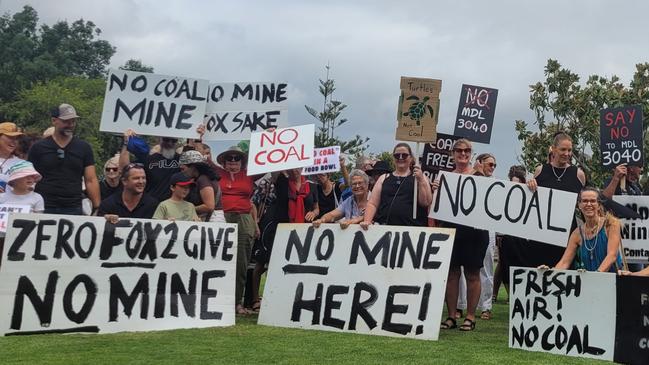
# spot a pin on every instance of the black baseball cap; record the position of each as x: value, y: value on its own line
x: 181, y: 179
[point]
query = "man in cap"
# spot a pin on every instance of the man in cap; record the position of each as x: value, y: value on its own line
x: 64, y: 160
x: 8, y: 141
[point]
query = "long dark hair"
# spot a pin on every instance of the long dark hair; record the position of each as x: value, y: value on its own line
x: 205, y: 169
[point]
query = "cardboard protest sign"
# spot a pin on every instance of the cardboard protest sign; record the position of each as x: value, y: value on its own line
x: 506, y: 207
x: 635, y: 232
x: 388, y: 280
x: 475, y: 114
x: 325, y: 160
x: 438, y: 156
x: 63, y: 274
x: 283, y: 149
x: 152, y: 104
x: 620, y: 131
x: 562, y: 312
x: 7, y: 209
x: 632, y: 328
x: 234, y: 110
x: 418, y: 109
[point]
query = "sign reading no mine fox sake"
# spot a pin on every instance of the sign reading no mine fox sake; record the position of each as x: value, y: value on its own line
x: 418, y: 109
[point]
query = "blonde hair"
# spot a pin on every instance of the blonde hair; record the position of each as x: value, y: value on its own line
x: 462, y: 141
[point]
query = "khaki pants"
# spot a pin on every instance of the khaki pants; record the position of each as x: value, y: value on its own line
x: 245, y: 237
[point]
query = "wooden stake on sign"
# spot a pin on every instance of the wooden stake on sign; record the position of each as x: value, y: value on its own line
x: 623, y: 183
x: 414, y: 200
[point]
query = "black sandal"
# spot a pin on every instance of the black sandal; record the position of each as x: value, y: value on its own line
x: 467, y: 325
x: 448, y: 324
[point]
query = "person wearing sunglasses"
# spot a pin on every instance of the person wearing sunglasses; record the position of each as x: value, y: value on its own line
x: 392, y: 199
x: 64, y: 160
x: 111, y: 182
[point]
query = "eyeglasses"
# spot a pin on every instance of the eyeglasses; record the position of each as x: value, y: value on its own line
x: 589, y: 201
x: 233, y: 158
x: 462, y: 150
x: 111, y: 169
x: 60, y: 153
x: 401, y: 156
x: 358, y: 184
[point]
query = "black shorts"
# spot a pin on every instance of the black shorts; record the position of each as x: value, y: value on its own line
x: 469, y: 247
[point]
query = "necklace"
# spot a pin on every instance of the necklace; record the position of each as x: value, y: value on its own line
x: 559, y: 176
x: 591, y: 249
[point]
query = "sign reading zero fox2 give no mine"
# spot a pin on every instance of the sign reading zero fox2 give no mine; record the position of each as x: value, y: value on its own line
x: 418, y: 109
x: 281, y: 149
x: 475, y: 114
x: 387, y: 281
x: 621, y: 136
x: 63, y: 274
x: 155, y: 105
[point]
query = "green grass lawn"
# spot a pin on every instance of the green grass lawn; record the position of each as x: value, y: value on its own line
x: 248, y: 343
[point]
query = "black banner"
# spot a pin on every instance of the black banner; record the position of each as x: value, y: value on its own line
x: 632, y: 325
x: 475, y: 113
x: 620, y: 131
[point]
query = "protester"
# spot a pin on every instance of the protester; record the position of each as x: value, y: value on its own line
x: 131, y: 201
x: 468, y: 252
x: 176, y: 208
x: 24, y: 143
x: 21, y: 178
x: 595, y: 245
x: 352, y: 209
x: 9, y: 134
x: 206, y: 193
x: 631, y: 177
x: 237, y: 188
x: 485, y: 164
x: 329, y: 194
x: 111, y: 182
x: 63, y: 160
x: 379, y: 168
x: 392, y: 198
x: 296, y: 202
x: 558, y: 174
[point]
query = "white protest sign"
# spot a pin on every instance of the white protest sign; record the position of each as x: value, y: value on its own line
x: 326, y: 159
x: 635, y: 232
x: 388, y: 280
x: 282, y: 149
x: 152, y: 104
x: 234, y: 110
x: 64, y: 274
x: 505, y: 207
x: 563, y: 312
x: 7, y: 209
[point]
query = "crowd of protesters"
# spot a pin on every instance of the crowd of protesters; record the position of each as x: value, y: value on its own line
x: 56, y: 174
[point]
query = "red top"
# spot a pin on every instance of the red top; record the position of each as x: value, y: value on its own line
x: 237, y: 190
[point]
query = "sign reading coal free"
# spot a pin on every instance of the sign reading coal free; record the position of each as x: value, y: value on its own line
x: 438, y: 156
x: 281, y: 149
x: 63, y: 274
x: 155, y: 105
x: 234, y: 110
x: 384, y: 281
x: 506, y: 207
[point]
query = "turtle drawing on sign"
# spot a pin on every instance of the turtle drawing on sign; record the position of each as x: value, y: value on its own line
x: 418, y: 109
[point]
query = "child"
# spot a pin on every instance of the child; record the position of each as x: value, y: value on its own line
x: 22, y: 178
x: 176, y: 208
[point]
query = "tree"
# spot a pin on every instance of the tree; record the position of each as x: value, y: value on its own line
x: 560, y: 103
x: 328, y: 117
x: 32, y: 54
x: 136, y: 65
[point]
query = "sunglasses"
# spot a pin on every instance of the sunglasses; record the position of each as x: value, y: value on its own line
x: 491, y: 164
x: 60, y: 153
x: 109, y: 169
x: 400, y: 156
x: 132, y: 165
x: 233, y: 158
x: 462, y: 150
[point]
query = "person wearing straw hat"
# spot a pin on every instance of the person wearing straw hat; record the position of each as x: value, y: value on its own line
x: 206, y: 194
x: 9, y: 134
x: 22, y: 178
x: 237, y: 188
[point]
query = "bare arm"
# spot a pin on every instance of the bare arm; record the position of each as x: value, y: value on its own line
x: 343, y: 169
x: 425, y: 194
x: 613, y: 247
x: 570, y: 252
x: 207, y: 197
x: 531, y: 183
x: 92, y: 185
x: 373, y: 203
x: 581, y: 176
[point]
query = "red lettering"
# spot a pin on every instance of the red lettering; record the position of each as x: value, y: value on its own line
x: 609, y: 119
x: 257, y: 157
x: 631, y: 113
x: 265, y: 135
x: 619, y: 117
x: 281, y: 158
x: 282, y: 141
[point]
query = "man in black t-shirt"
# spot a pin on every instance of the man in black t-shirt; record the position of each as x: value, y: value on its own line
x: 63, y: 160
x: 131, y: 201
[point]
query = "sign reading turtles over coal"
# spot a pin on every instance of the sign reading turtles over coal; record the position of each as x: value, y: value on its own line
x: 475, y: 114
x: 418, y: 109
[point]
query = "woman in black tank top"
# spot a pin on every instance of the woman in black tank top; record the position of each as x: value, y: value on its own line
x: 391, y: 201
x: 558, y: 174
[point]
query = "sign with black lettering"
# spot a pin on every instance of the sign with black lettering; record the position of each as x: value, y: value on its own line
x: 620, y: 136
x: 438, y: 156
x: 418, y: 109
x: 63, y: 274
x: 632, y: 328
x: 506, y: 207
x: 562, y: 312
x: 325, y: 160
x: 152, y: 104
x: 7, y: 209
x: 281, y: 149
x: 234, y: 110
x: 475, y: 114
x: 635, y: 232
x: 388, y: 280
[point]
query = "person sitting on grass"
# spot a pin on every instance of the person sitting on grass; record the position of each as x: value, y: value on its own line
x: 176, y: 208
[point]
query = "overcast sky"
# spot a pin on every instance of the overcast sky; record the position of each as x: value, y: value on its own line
x: 369, y: 45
